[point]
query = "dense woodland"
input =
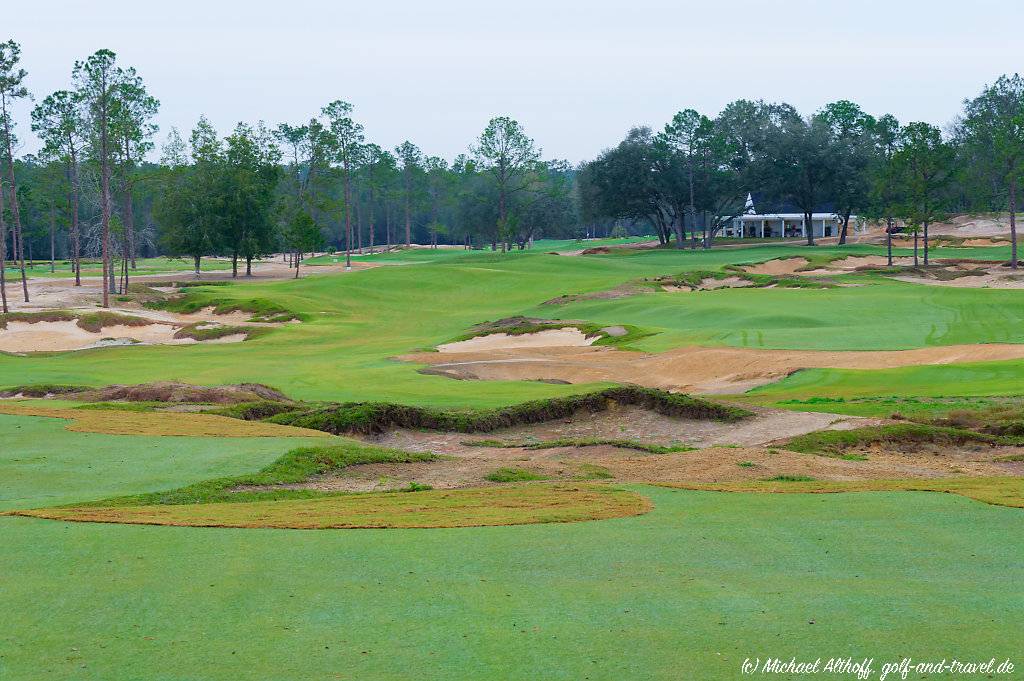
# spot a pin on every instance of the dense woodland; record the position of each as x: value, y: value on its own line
x: 107, y: 184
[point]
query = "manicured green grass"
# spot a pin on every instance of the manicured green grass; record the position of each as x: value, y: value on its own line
x: 958, y: 381
x: 94, y: 268
x: 42, y: 464
x: 357, y: 321
x: 882, y: 315
x: 676, y: 593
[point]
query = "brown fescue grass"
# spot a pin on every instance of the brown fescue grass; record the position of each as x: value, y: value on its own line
x: 490, y: 506
x: 119, y: 422
x: 998, y: 491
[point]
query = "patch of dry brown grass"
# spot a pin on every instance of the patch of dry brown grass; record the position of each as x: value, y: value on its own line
x: 117, y: 422
x: 998, y: 491
x: 490, y: 506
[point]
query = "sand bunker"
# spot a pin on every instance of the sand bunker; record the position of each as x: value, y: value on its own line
x: 710, y: 284
x: 62, y: 336
x: 851, y: 263
x: 973, y: 225
x: 985, y: 243
x: 688, y: 369
x: 566, y: 337
x: 778, y: 266
x: 752, y: 449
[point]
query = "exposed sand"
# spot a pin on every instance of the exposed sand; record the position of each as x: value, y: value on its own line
x: 985, y: 242
x: 757, y: 443
x: 973, y: 225
x: 777, y: 267
x: 65, y: 336
x: 688, y: 369
x: 567, y: 337
x: 709, y: 284
x: 61, y: 336
x: 982, y: 276
x: 851, y: 263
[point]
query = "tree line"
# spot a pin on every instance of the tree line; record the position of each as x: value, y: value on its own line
x: 692, y: 178
x: 96, y: 190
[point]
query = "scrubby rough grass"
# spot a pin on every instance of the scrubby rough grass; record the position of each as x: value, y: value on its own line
x: 998, y: 491
x: 835, y: 442
x: 514, y: 475
x: 261, y: 309
x: 519, y: 326
x: 370, y: 418
x: 694, y: 279
x: 298, y: 465
x: 200, y: 332
x: 156, y: 423
x: 648, y: 447
x: 558, y: 503
x: 88, y: 321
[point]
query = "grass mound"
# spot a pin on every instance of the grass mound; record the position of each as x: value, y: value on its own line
x: 694, y: 279
x: 491, y: 506
x: 89, y: 321
x: 371, y: 418
x: 518, y: 326
x: 583, y: 442
x: 39, y: 390
x: 261, y: 309
x: 202, y: 332
x: 176, y: 392
x: 999, y: 491
x: 836, y: 442
x: 514, y: 475
x: 297, y: 466
x: 156, y: 423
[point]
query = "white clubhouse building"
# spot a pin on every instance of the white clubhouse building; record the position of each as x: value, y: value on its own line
x: 762, y: 220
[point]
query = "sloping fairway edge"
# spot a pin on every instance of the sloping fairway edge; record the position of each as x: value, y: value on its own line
x: 157, y: 423
x: 490, y: 506
x: 997, y: 491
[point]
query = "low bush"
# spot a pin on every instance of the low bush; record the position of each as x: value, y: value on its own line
x: 835, y: 442
x: 514, y: 475
x: 371, y: 418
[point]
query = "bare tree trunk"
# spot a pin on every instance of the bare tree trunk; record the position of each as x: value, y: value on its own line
x: 372, y: 235
x: 888, y: 239
x: 76, y: 246
x: 348, y: 224
x: 53, y: 238
x: 359, y: 229
x: 127, y: 210
x: 915, y: 248
x: 926, y: 243
x: 846, y: 225
x: 296, y: 258
x: 408, y: 215
x: 1013, y: 223
x: 234, y: 265
x: 248, y: 265
x: 105, y: 193
x: 195, y: 260
x: 3, y: 252
x: 809, y: 226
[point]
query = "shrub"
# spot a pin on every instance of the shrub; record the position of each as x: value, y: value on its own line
x: 514, y: 475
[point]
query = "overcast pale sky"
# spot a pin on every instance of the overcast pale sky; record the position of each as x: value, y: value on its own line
x: 577, y: 74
